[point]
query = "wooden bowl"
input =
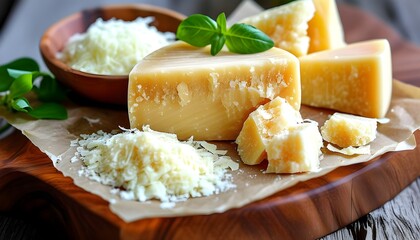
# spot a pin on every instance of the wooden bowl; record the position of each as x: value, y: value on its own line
x: 109, y: 89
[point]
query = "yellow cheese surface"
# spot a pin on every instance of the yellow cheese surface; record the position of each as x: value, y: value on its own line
x: 287, y: 25
x: 346, y: 130
x: 354, y: 79
x: 295, y: 150
x: 325, y: 29
x: 184, y: 90
x: 261, y: 125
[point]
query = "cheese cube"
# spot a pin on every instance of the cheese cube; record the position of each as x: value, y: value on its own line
x: 287, y: 25
x: 355, y: 79
x: 325, y: 29
x: 261, y: 125
x: 346, y: 130
x: 296, y: 149
x: 184, y: 90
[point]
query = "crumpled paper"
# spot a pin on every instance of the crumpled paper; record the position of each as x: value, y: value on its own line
x: 53, y: 137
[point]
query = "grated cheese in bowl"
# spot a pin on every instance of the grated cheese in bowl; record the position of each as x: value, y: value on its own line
x: 154, y: 165
x: 114, y: 46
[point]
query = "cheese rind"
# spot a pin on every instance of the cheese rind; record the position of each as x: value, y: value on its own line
x: 346, y: 130
x: 325, y: 29
x: 184, y: 90
x: 261, y: 125
x: 355, y: 79
x: 296, y: 149
x: 286, y: 24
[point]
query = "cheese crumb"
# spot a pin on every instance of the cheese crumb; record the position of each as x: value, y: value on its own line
x: 154, y: 165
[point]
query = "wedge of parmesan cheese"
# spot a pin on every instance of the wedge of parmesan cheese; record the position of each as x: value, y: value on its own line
x: 355, y: 79
x: 184, y: 90
x: 325, y: 29
x: 287, y: 25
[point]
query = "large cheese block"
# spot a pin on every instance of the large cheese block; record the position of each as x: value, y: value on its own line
x: 325, y: 29
x: 261, y: 125
x: 287, y: 25
x: 353, y: 79
x: 184, y: 90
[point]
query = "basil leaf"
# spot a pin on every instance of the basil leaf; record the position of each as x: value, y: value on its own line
x: 15, y: 73
x: 17, y: 78
x: 221, y: 23
x: 246, y: 39
x: 21, y: 86
x: 200, y: 31
x: 217, y: 44
x: 26, y: 64
x: 197, y: 30
x: 49, y: 90
x: 21, y: 105
x: 49, y: 111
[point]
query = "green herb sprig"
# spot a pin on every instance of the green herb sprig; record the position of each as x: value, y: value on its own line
x: 17, y: 79
x: 200, y: 30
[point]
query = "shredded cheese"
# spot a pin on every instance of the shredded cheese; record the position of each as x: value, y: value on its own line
x: 154, y: 165
x: 113, y: 47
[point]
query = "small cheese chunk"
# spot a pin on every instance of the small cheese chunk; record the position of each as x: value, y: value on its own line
x: 296, y: 149
x: 287, y: 25
x: 261, y: 125
x: 354, y: 79
x: 345, y: 130
x: 325, y: 29
x: 184, y: 90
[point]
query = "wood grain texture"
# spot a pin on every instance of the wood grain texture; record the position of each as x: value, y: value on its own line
x: 29, y: 184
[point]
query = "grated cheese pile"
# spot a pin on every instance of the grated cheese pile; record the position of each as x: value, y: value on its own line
x: 113, y: 47
x: 154, y: 165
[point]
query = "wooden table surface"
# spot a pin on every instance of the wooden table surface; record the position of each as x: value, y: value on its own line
x: 31, y: 186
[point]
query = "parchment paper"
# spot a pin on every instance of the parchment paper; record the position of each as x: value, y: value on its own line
x: 54, y: 137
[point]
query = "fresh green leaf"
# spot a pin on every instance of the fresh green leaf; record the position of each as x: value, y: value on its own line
x: 17, y: 79
x: 200, y: 31
x: 221, y: 23
x: 246, y: 39
x: 15, y: 73
x: 49, y: 110
x: 49, y: 90
x: 21, y: 105
x: 197, y: 30
x: 21, y: 86
x: 26, y: 64
x: 217, y: 44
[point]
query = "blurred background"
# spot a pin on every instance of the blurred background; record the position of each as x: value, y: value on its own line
x: 22, y: 22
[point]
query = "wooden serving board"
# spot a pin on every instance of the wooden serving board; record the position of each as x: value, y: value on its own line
x: 31, y: 185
